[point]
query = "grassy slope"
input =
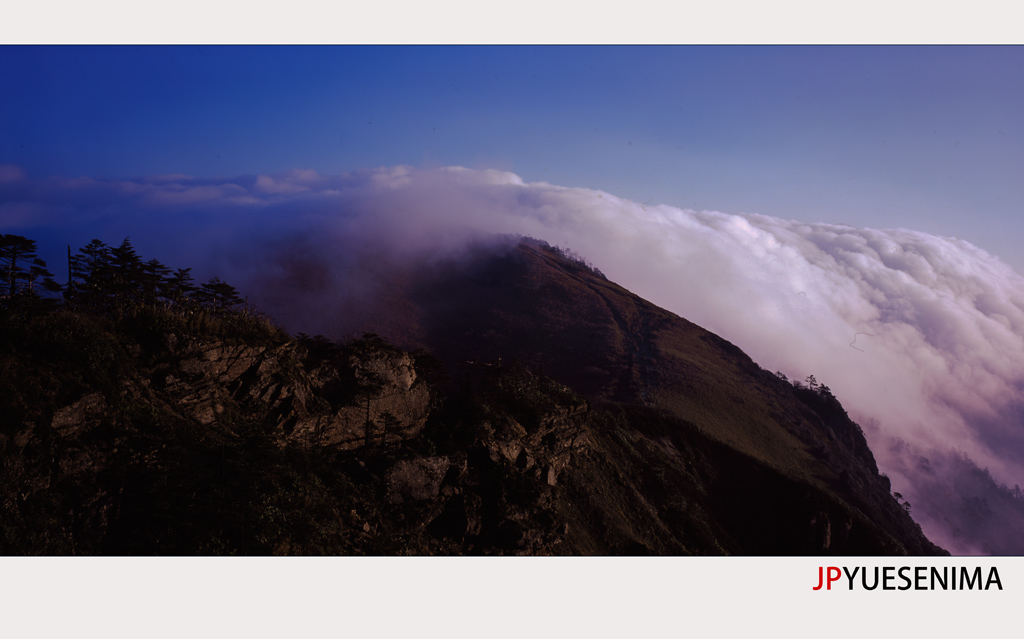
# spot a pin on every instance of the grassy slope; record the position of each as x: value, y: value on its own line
x: 529, y: 303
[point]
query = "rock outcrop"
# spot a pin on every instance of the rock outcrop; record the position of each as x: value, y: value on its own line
x: 389, y: 405
x: 383, y: 404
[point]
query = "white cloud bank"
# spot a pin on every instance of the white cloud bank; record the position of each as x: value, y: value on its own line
x: 921, y: 337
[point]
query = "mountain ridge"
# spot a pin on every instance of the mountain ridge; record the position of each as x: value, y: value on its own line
x: 547, y: 411
x: 520, y: 298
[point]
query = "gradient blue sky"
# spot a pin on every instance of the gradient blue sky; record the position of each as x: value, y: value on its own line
x: 927, y: 138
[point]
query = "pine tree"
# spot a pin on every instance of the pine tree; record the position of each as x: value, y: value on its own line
x: 219, y: 295
x: 25, y: 273
x: 126, y: 273
x: 91, y: 274
x: 179, y: 287
x: 15, y: 248
x: 155, y: 281
x: 39, y: 273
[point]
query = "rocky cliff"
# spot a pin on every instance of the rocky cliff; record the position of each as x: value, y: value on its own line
x: 173, y: 431
x: 376, y: 388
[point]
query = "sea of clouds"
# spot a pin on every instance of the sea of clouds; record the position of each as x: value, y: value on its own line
x: 921, y: 337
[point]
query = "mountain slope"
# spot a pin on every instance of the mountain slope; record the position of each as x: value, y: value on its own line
x: 526, y: 301
x: 576, y: 418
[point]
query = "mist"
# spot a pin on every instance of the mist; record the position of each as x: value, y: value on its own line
x: 921, y: 337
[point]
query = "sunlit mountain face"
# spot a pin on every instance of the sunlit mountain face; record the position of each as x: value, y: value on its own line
x: 920, y: 337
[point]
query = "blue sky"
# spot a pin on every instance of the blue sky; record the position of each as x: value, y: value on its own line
x: 928, y: 138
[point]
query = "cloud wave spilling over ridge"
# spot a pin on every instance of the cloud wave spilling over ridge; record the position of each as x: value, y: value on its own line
x: 921, y: 337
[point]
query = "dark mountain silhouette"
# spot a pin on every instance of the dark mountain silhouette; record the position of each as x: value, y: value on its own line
x: 523, y: 300
x: 543, y: 410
